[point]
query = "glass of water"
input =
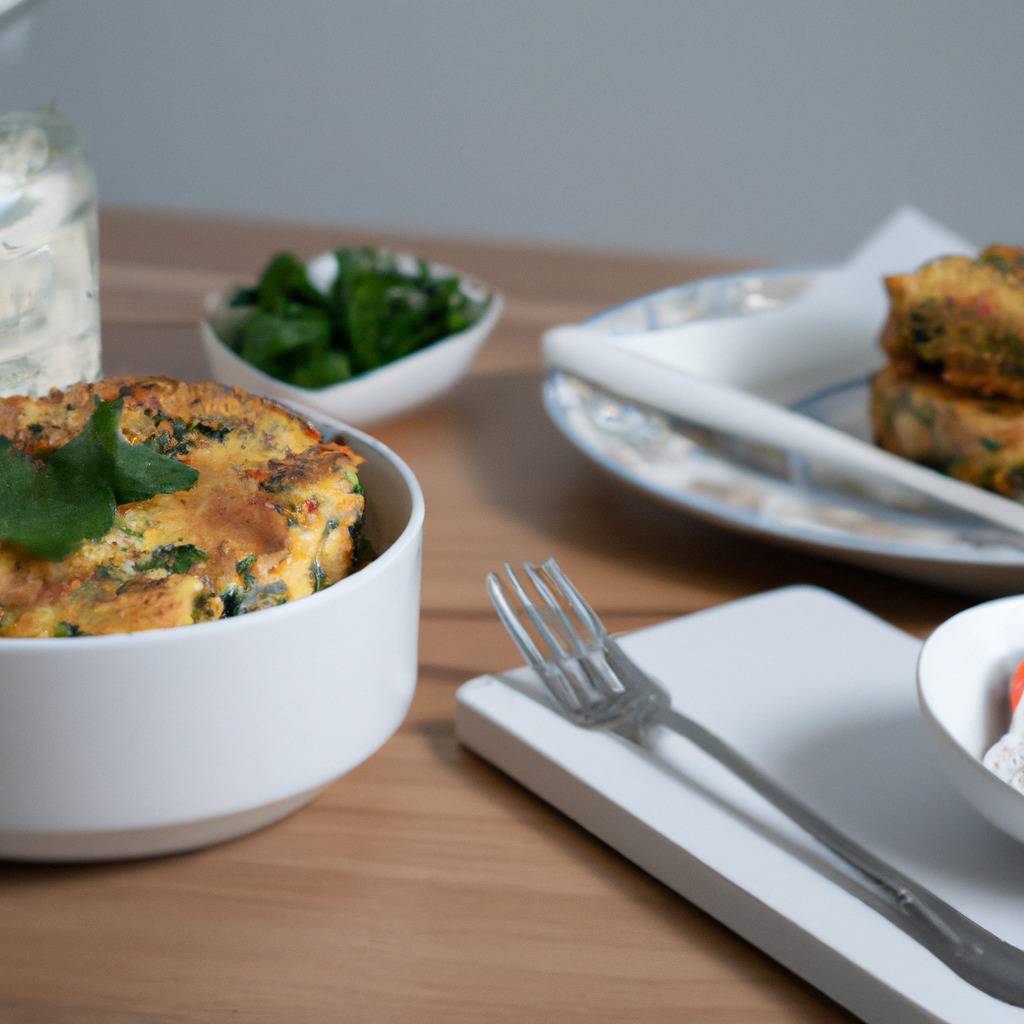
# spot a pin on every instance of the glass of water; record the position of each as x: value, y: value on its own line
x: 49, y: 258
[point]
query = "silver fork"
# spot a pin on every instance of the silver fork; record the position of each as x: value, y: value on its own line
x: 597, y: 686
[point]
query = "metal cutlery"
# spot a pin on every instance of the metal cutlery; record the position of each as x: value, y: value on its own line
x: 596, y: 685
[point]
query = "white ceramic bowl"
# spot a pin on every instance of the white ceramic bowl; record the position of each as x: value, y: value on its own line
x: 963, y: 678
x: 378, y: 395
x: 144, y: 743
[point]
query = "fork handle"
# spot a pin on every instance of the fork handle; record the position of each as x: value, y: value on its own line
x: 978, y: 956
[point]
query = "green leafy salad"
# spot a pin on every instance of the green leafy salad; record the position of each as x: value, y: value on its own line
x: 375, y: 312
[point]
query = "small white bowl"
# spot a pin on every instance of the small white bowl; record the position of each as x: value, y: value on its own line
x: 376, y: 395
x: 143, y: 743
x: 963, y: 679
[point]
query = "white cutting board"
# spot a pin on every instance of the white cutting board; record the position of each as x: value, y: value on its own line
x: 820, y: 694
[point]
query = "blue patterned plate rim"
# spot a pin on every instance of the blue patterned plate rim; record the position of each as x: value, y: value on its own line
x: 756, y: 522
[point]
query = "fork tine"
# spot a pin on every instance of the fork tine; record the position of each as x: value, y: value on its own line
x: 551, y: 674
x: 535, y: 616
x: 510, y: 621
x: 571, y: 633
x: 568, y: 667
x: 598, y: 686
x: 593, y: 669
x: 586, y: 614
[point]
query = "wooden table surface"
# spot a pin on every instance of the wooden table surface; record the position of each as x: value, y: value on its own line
x: 425, y: 886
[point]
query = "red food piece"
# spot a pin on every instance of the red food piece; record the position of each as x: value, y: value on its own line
x: 1017, y: 687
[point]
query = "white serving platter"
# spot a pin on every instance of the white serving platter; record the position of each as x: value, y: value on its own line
x: 793, y: 497
x: 821, y: 695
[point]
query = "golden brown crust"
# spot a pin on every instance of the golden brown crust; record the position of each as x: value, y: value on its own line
x: 962, y: 319
x: 63, y: 414
x: 272, y: 517
x: 975, y: 439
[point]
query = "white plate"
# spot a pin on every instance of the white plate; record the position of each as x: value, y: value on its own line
x: 770, y: 492
x: 821, y: 696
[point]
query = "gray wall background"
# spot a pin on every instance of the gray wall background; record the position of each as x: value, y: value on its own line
x: 778, y: 130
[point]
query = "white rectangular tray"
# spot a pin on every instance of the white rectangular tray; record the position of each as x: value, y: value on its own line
x: 820, y: 694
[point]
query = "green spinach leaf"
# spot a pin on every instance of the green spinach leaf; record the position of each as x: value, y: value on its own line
x: 137, y: 472
x: 49, y: 510
x: 284, y: 282
x: 50, y: 506
x: 265, y: 337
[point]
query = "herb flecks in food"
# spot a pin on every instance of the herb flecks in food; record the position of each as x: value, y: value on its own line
x: 244, y: 569
x: 269, y: 595
x: 375, y: 312
x: 362, y: 550
x: 68, y: 629
x: 50, y: 506
x: 231, y: 598
x: 216, y: 432
x: 317, y: 576
x: 174, y: 558
x: 201, y: 608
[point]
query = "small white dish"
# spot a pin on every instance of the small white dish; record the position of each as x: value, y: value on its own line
x: 963, y: 679
x: 370, y: 397
x: 138, y: 744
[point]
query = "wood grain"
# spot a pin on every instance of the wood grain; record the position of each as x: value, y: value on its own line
x: 425, y: 886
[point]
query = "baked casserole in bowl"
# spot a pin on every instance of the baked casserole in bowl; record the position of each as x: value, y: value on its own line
x: 171, y: 690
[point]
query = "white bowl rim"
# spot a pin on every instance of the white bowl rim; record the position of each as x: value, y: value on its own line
x: 346, y: 585
x: 924, y: 702
x: 217, y: 302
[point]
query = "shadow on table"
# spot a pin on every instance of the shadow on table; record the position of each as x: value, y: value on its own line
x: 20, y: 874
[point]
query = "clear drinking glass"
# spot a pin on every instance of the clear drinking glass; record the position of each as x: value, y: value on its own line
x: 49, y: 256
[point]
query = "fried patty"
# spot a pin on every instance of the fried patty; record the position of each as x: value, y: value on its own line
x: 975, y: 439
x: 273, y: 516
x: 962, y: 319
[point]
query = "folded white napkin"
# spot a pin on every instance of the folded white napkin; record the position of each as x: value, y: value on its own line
x: 828, y: 334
